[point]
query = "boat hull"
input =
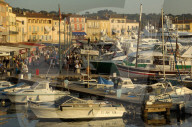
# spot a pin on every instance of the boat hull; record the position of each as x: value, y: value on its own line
x: 132, y: 72
x: 79, y: 113
x: 34, y: 97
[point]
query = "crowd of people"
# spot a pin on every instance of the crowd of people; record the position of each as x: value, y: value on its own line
x: 20, y: 65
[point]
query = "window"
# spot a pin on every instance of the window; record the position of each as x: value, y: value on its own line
x: 40, y: 21
x: 41, y: 86
x: 29, y: 37
x: 36, y: 21
x: 33, y: 28
x: 77, y: 19
x: 42, y: 29
x: 78, y: 27
x: 37, y: 28
x: 49, y: 37
x: 72, y: 20
x: 187, y: 27
x: 29, y: 21
x: 83, y: 27
x: 29, y: 28
x: 23, y: 30
x: 49, y: 21
x: 72, y: 26
x: 23, y: 22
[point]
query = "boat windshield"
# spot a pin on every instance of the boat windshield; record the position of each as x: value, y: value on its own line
x: 34, y: 85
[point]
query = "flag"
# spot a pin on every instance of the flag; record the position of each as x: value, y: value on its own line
x: 66, y: 21
x: 59, y: 14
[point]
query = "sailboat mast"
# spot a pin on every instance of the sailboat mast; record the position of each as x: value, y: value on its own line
x: 138, y: 35
x: 163, y: 45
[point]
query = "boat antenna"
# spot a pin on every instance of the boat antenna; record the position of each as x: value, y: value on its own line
x: 138, y: 35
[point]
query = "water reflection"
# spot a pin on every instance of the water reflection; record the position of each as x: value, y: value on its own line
x: 20, y: 116
x: 91, y: 123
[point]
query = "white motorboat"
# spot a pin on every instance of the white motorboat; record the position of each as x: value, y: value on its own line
x: 40, y: 92
x: 179, y: 96
x: 75, y: 108
x: 4, y: 85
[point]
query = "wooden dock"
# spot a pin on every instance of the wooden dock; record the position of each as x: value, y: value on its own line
x: 157, y: 107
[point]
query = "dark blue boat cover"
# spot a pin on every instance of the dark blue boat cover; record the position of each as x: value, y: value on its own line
x: 104, y: 81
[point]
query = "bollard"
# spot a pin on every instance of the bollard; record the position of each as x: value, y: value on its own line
x: 37, y: 71
x: 118, y: 93
x: 8, y: 73
x: 21, y: 76
x: 29, y: 76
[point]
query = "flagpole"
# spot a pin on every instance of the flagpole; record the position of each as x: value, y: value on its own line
x: 69, y: 37
x: 64, y: 38
x: 60, y: 67
x: 138, y: 36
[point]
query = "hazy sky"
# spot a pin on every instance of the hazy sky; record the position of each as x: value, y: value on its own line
x: 77, y: 6
x: 121, y: 6
x: 178, y: 6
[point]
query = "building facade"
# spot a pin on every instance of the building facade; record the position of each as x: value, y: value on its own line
x: 97, y: 28
x: 39, y: 27
x: 183, y: 25
x: 131, y: 27
x: 117, y: 25
x: 3, y: 22
x: 11, y: 25
x: 23, y: 28
x: 77, y: 25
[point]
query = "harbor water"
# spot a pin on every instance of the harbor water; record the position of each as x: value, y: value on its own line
x: 20, y: 116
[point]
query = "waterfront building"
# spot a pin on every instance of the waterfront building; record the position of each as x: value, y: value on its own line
x: 131, y: 27
x: 77, y: 23
x: 183, y: 25
x: 19, y: 30
x: 3, y: 23
x: 21, y: 17
x: 11, y: 25
x: 39, y: 27
x: 118, y: 25
x: 55, y: 29
x: 97, y: 28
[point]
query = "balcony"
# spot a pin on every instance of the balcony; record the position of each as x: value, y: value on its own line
x: 46, y: 32
x: 13, y: 32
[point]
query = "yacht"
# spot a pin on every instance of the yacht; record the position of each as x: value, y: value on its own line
x: 39, y: 91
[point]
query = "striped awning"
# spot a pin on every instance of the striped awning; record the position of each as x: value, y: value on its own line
x: 78, y: 33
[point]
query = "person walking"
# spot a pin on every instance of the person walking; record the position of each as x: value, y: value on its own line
x: 76, y: 67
